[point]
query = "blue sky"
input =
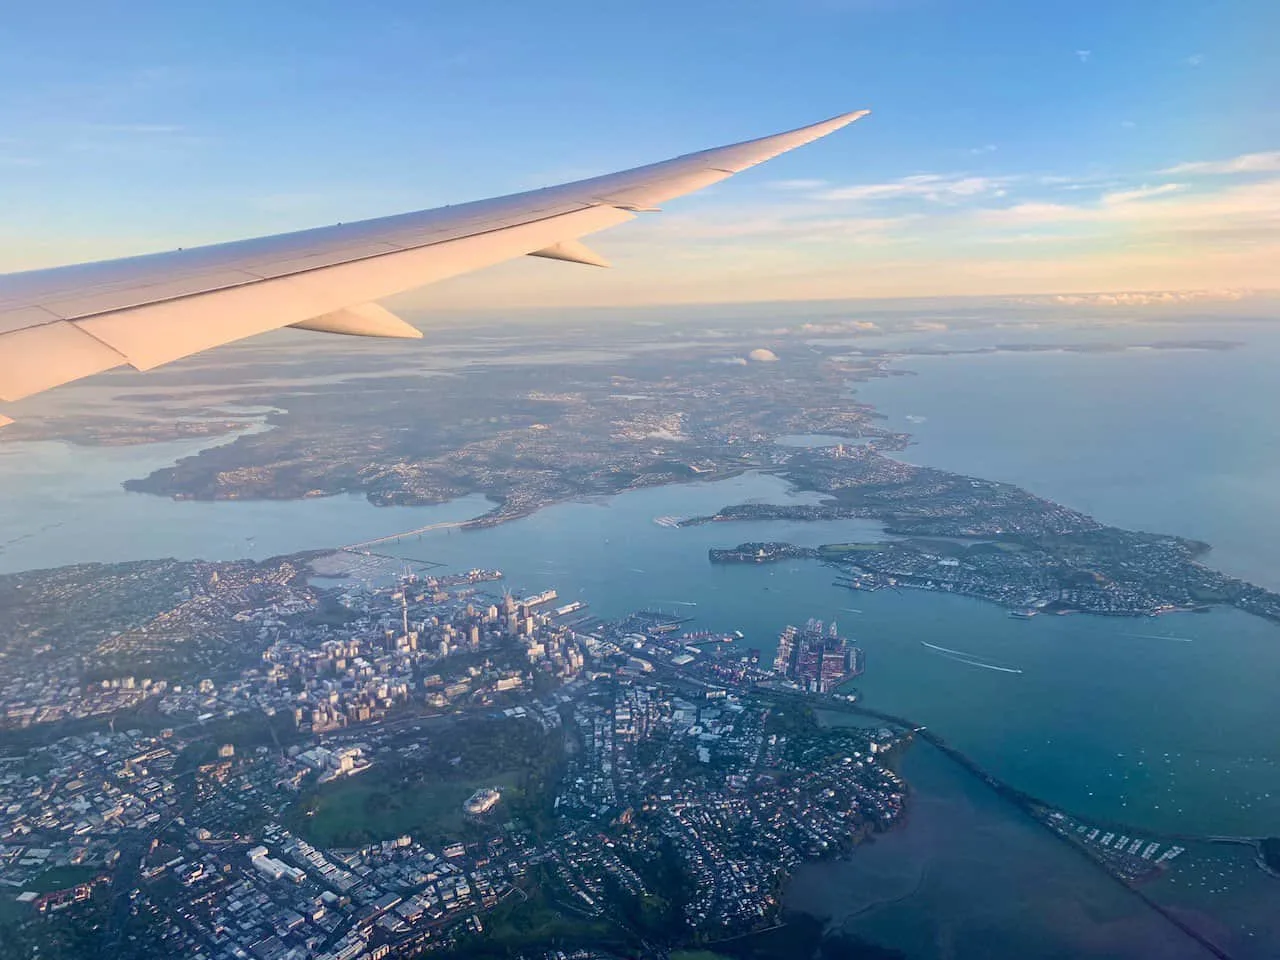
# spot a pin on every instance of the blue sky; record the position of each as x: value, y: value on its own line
x: 1014, y: 147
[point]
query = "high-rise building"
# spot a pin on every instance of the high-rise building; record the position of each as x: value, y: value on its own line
x: 818, y: 660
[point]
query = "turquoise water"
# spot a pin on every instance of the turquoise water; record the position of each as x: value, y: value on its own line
x: 1168, y: 724
x: 1173, y: 441
x: 64, y: 504
x: 1164, y: 723
x: 1109, y: 717
x: 970, y: 877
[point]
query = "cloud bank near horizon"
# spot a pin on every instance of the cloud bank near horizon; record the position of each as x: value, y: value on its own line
x: 1192, y: 226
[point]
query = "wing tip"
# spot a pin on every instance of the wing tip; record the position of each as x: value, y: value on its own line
x: 823, y: 127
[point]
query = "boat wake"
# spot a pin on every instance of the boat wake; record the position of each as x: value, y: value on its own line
x: 934, y: 646
x: 1157, y: 636
x: 967, y: 658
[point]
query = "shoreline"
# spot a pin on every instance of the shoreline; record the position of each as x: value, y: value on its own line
x: 1025, y: 803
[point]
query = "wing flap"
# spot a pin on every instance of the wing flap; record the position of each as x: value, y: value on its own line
x: 38, y: 358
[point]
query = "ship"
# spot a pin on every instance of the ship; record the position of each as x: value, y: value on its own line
x: 1022, y: 614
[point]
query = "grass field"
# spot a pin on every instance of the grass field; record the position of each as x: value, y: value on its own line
x: 536, y: 920
x: 55, y: 878
x: 376, y: 805
x: 59, y: 878
x: 12, y: 912
x: 423, y: 795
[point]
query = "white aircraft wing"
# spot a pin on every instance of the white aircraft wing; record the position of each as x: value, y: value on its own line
x: 65, y: 323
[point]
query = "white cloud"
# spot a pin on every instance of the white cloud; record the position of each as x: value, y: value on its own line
x: 761, y: 355
x: 1084, y: 55
x: 770, y: 223
x: 985, y: 148
x: 1265, y: 162
x: 1071, y: 235
x: 1128, y: 124
x: 1244, y: 212
x: 929, y: 186
x: 1195, y: 59
x: 1140, y: 193
x: 801, y: 184
x: 1138, y: 298
x: 836, y: 327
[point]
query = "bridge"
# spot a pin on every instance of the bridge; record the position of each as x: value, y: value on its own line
x: 362, y: 546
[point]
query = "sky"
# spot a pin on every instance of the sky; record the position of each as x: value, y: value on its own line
x: 1014, y: 148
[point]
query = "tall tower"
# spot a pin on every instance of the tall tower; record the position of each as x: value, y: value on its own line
x: 404, y: 611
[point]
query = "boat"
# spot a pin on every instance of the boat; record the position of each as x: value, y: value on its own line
x: 1022, y: 614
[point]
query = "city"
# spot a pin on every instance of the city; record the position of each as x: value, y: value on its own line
x: 427, y: 764
x: 639, y: 780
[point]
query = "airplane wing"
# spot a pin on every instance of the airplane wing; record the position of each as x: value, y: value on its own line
x: 64, y: 323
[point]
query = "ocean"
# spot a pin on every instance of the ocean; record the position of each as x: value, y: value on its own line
x: 1172, y: 441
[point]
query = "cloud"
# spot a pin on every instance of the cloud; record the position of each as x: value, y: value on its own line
x: 1084, y: 55
x: 800, y: 184
x: 1137, y: 298
x: 1128, y: 124
x: 836, y: 327
x: 985, y: 148
x: 1071, y: 182
x: 1140, y: 193
x: 929, y: 186
x: 1164, y: 214
x: 731, y: 361
x: 780, y: 223
x: 1265, y: 162
x: 1195, y: 60
x: 761, y: 355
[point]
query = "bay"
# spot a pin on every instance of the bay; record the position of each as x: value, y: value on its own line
x: 1171, y: 441
x: 1165, y: 724
x: 63, y: 504
x: 969, y: 876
